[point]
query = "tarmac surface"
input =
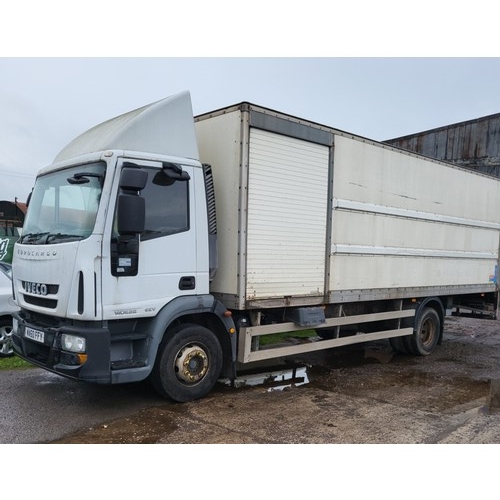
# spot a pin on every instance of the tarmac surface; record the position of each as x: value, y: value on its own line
x: 360, y: 394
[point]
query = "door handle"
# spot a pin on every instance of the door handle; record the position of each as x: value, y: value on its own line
x: 187, y: 283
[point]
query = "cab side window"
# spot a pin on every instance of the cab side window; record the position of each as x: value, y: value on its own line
x: 167, y: 205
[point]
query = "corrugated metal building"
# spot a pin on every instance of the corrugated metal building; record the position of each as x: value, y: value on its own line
x: 473, y: 144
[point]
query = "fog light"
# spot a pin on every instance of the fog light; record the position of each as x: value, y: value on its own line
x: 72, y: 343
x: 15, y: 325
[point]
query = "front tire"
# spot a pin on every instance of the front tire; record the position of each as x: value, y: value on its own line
x: 188, y: 363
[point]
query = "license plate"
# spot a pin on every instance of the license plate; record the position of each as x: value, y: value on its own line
x: 35, y: 335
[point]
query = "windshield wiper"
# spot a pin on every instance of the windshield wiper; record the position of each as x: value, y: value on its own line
x: 61, y: 236
x: 46, y: 237
x: 32, y: 237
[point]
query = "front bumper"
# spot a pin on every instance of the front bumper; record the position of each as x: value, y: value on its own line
x: 45, y: 351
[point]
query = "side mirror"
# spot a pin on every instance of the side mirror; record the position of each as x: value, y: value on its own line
x: 130, y: 221
x: 131, y: 215
x: 133, y: 179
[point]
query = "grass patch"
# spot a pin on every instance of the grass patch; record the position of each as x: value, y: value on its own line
x: 275, y: 338
x: 13, y: 362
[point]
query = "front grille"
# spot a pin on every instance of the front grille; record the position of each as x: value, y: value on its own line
x: 40, y: 301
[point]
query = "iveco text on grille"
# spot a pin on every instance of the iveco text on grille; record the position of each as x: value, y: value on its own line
x: 36, y: 288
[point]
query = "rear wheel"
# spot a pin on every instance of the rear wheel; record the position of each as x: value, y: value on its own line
x: 427, y: 331
x: 188, y: 364
x: 6, y: 349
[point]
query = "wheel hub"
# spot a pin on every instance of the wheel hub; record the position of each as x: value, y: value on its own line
x: 191, y: 364
x: 427, y: 332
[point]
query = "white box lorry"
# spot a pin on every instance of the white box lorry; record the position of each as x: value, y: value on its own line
x: 157, y: 245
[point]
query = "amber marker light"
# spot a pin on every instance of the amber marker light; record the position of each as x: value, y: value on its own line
x: 82, y: 358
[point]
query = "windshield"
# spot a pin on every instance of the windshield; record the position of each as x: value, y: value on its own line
x: 63, y: 206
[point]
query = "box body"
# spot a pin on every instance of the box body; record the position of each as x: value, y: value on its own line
x: 307, y: 214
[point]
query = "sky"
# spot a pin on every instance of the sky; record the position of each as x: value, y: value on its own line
x: 47, y: 101
x: 370, y: 68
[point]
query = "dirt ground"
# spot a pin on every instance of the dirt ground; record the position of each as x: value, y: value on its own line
x: 357, y: 394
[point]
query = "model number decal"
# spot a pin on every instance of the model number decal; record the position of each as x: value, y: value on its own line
x: 123, y: 312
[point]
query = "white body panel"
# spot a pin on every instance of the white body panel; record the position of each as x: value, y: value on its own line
x: 219, y: 139
x: 60, y: 266
x: 339, y: 217
x: 401, y: 221
x: 162, y: 128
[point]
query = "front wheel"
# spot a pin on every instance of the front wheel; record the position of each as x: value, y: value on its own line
x: 6, y: 349
x: 188, y: 364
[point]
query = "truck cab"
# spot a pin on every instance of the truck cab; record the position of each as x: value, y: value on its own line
x: 115, y: 252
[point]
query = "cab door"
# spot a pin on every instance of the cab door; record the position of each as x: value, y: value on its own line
x: 167, y: 261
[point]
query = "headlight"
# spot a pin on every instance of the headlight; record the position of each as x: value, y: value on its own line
x: 72, y: 343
